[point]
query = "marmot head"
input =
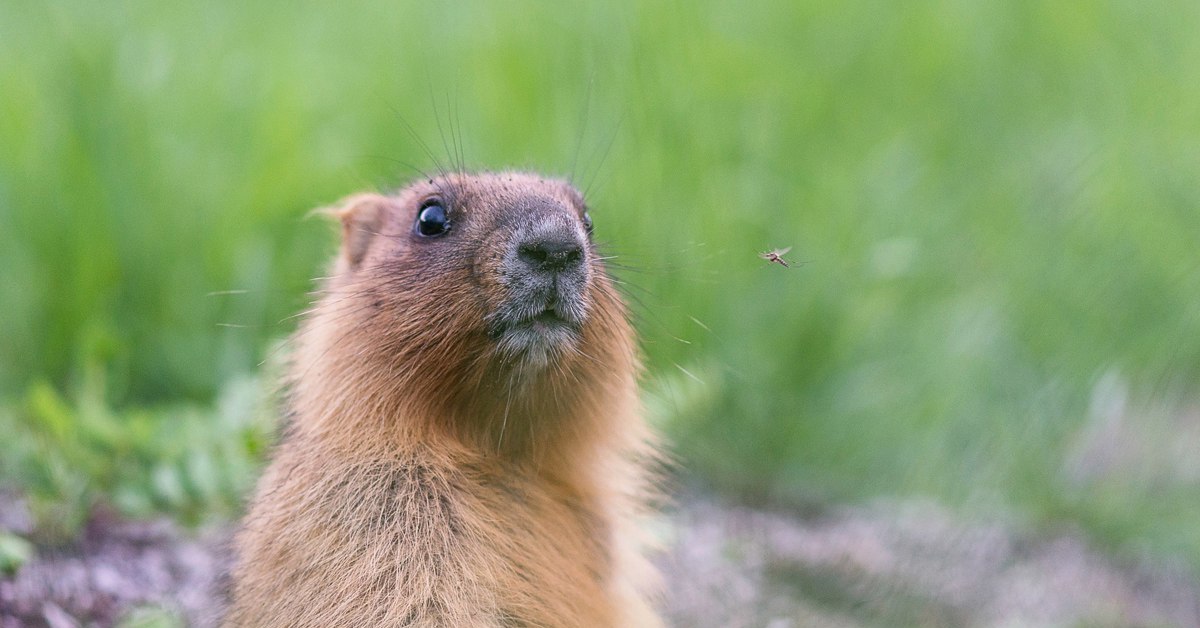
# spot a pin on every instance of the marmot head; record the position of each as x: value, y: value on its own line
x: 467, y: 288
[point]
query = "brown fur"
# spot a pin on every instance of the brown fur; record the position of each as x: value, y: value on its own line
x: 425, y: 478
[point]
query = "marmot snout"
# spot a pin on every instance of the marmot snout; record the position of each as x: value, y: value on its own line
x: 545, y: 272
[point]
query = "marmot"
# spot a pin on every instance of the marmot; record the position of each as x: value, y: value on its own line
x: 463, y: 444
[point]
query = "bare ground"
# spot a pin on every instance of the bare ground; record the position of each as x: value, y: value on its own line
x: 907, y: 563
x: 899, y: 563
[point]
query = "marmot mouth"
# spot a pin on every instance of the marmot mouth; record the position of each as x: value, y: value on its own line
x: 536, y: 336
x: 547, y: 322
x: 547, y: 318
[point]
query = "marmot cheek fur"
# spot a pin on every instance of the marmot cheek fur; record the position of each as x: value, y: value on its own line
x: 463, y: 443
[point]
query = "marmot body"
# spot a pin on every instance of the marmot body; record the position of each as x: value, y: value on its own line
x: 463, y: 443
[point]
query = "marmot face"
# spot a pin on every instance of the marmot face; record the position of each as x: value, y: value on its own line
x: 458, y: 276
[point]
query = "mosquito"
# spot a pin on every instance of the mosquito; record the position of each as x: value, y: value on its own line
x: 776, y: 256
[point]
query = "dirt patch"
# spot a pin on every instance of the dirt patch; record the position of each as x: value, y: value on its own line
x: 906, y: 563
x: 116, y: 572
x: 892, y: 563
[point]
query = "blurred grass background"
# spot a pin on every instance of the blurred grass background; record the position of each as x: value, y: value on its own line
x: 997, y: 205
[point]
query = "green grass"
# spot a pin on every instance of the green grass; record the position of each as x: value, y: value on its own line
x: 997, y: 204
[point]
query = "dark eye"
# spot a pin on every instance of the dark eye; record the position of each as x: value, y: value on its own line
x: 587, y: 222
x: 432, y: 220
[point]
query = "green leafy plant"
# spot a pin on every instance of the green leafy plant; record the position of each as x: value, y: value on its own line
x: 150, y: 617
x: 68, y: 454
x: 14, y: 552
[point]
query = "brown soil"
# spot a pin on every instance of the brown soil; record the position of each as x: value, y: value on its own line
x: 891, y: 563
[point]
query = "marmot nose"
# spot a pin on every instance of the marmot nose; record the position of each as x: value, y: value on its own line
x: 551, y: 253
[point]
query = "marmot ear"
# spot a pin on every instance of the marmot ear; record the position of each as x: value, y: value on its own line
x: 362, y: 217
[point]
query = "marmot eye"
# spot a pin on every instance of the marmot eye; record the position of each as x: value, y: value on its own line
x: 587, y: 222
x: 432, y: 220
